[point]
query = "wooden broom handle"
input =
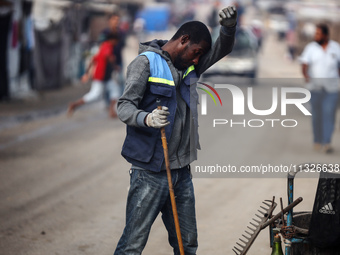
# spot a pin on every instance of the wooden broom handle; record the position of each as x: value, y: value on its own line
x: 172, y: 194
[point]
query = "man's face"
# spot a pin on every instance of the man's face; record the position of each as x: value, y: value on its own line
x: 319, y: 37
x: 189, y: 54
x: 114, y: 21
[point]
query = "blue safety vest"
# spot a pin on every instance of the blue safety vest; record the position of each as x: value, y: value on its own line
x: 143, y: 146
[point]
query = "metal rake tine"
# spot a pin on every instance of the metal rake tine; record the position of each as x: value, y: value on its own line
x: 248, y: 238
x: 251, y: 229
x: 258, y: 216
x: 242, y: 242
x: 248, y: 233
x: 266, y: 204
x: 238, y: 249
x: 261, y: 212
x: 257, y: 221
x: 254, y: 224
x: 243, y: 246
x: 264, y: 208
x: 236, y: 252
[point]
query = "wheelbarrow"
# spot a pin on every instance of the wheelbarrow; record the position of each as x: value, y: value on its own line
x: 293, y: 227
x: 296, y: 232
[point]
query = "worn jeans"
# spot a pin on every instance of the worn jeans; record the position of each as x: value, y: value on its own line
x: 323, y: 115
x: 149, y: 195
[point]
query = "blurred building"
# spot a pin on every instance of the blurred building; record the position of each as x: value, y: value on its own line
x: 296, y: 19
x: 42, y: 41
x: 310, y: 12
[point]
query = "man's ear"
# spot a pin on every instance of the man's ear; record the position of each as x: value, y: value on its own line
x: 185, y: 39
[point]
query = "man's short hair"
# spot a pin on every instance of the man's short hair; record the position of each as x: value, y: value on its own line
x: 196, y: 30
x: 324, y: 28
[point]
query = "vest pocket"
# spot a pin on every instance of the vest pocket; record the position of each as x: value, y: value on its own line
x: 140, y: 143
x: 161, y: 90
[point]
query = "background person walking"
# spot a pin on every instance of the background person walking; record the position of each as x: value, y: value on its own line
x: 104, y: 63
x: 320, y: 67
x: 114, y: 28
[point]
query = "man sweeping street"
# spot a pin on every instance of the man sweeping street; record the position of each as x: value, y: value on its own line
x: 165, y: 73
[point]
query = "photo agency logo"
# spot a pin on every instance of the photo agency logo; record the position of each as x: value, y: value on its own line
x: 294, y: 96
x: 204, y: 97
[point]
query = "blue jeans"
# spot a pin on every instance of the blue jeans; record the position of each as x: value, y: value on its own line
x: 149, y: 195
x: 323, y: 115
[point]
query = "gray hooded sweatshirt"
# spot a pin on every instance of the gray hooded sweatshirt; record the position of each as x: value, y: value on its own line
x: 181, y: 151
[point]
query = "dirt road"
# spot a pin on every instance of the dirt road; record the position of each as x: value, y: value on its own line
x: 63, y: 183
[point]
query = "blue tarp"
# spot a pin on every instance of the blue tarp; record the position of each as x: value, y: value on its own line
x: 156, y: 18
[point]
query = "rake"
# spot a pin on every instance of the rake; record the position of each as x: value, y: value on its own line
x: 263, y: 220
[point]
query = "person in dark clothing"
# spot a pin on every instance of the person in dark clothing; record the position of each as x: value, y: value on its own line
x: 5, y: 21
x: 113, y: 27
x: 166, y: 71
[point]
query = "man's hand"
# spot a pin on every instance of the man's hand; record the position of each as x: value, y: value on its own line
x: 158, y: 118
x: 305, y: 72
x: 228, y: 16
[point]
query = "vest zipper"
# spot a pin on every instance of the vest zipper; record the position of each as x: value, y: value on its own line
x: 180, y: 140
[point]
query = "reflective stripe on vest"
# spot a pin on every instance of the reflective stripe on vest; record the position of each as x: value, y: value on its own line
x: 161, y: 80
x: 159, y: 70
x: 143, y: 146
x: 189, y: 70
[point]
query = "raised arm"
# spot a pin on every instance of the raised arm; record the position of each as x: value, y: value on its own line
x: 224, y: 43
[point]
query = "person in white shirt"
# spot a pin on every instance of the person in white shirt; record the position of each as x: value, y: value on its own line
x: 320, y: 67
